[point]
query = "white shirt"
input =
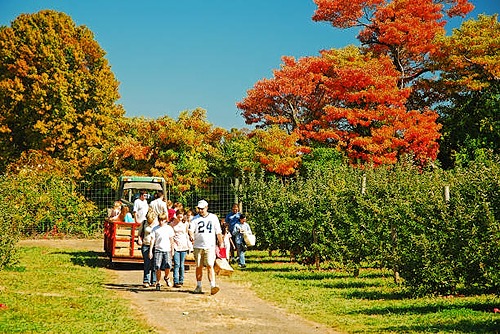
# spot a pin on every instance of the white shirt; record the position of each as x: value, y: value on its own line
x: 161, y: 238
x: 148, y: 230
x: 141, y: 208
x: 204, y: 230
x: 181, y: 237
x: 159, y: 206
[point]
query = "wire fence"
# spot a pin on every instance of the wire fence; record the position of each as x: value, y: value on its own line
x: 220, y: 194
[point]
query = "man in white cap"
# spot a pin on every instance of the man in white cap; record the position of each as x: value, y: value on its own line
x: 203, y: 229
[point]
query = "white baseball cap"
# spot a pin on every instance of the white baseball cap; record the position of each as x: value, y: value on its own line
x: 202, y: 204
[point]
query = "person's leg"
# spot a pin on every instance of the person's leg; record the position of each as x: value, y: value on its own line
x: 158, y: 275
x: 242, y: 257
x: 168, y: 265
x: 211, y: 275
x: 210, y: 260
x: 199, y: 269
x: 158, y: 267
x: 199, y: 273
x: 236, y: 249
x: 177, y: 267
x: 153, y: 272
x: 146, y: 277
x: 182, y: 260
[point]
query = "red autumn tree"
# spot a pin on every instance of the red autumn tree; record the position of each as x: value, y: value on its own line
x: 345, y: 99
x: 405, y: 30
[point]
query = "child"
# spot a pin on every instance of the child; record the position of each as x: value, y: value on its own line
x: 125, y: 215
x: 115, y: 212
x: 163, y: 245
x: 239, y: 229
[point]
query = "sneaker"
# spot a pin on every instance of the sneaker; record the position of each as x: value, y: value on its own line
x: 214, y: 290
x: 158, y: 286
x: 198, y: 290
x: 168, y: 281
x: 177, y: 285
x: 145, y: 284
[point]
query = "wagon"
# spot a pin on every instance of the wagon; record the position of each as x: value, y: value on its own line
x: 120, y: 238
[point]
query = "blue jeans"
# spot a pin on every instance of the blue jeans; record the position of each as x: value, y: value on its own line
x: 241, y: 250
x: 179, y: 258
x: 149, y: 274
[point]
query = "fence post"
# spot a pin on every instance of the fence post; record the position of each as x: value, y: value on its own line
x: 446, y: 193
x: 237, y: 186
x: 363, y: 184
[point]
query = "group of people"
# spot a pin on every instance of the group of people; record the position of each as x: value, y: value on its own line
x: 168, y: 233
x: 236, y: 226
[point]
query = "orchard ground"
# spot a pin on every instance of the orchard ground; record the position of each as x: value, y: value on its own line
x: 235, y: 309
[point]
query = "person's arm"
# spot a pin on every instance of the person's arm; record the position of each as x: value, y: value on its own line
x: 141, y: 234
x: 221, y: 240
x: 172, y: 247
x: 151, y: 245
x: 190, y: 232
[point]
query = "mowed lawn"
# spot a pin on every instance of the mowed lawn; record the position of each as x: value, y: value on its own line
x: 371, y: 303
x: 62, y: 291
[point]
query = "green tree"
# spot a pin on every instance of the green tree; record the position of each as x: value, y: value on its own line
x: 238, y: 150
x: 57, y: 91
x: 468, y: 90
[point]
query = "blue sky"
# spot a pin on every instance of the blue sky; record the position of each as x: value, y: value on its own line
x: 170, y: 56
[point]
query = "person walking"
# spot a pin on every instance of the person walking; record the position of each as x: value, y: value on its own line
x: 161, y: 250
x: 141, y: 207
x: 233, y: 218
x: 144, y: 240
x: 239, y: 230
x: 181, y: 246
x: 158, y: 205
x: 203, y: 230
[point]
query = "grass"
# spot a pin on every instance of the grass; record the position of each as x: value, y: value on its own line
x: 371, y: 303
x: 62, y: 291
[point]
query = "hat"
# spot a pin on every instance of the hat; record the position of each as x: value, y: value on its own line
x: 202, y: 204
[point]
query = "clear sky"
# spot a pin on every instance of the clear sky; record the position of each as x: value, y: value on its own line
x: 170, y: 56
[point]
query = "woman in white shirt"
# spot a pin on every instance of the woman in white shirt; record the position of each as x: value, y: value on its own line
x: 181, y: 246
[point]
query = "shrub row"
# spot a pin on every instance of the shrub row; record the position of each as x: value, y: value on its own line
x: 395, y: 218
x: 37, y: 203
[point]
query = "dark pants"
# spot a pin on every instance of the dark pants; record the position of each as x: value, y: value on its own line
x: 149, y: 274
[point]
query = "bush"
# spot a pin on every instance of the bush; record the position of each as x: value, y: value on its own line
x: 46, y: 202
x: 401, y: 222
x: 10, y: 224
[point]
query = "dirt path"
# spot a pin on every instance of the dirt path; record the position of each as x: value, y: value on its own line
x: 235, y: 309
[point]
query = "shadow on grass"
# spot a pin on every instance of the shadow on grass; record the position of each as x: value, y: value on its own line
x: 377, y: 295
x: 462, y: 326
x: 430, y: 309
x: 267, y: 269
x: 88, y: 258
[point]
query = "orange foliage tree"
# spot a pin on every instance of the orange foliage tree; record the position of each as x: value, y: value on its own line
x: 57, y: 92
x: 278, y: 151
x: 403, y: 29
x: 344, y: 99
x: 182, y: 151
